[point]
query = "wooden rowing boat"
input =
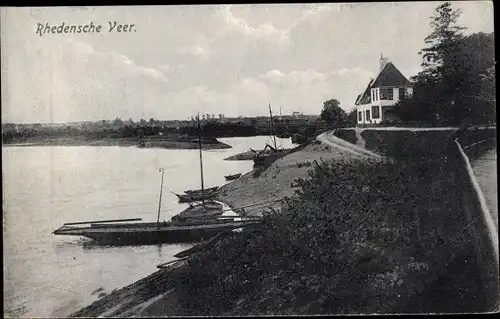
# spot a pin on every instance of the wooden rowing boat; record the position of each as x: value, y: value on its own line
x: 194, y: 198
x: 201, y: 211
x: 198, y: 192
x: 232, y: 177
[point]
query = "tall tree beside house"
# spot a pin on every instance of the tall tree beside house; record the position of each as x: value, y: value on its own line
x: 438, y: 79
x: 332, y: 113
x: 455, y: 85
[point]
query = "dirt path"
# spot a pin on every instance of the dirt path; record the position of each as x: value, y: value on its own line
x: 259, y: 193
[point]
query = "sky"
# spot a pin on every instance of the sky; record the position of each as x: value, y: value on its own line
x: 230, y: 59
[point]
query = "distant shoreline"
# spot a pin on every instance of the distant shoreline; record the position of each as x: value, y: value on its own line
x: 127, y: 142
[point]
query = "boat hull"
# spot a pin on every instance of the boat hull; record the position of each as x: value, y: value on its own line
x: 194, y: 198
x: 151, y: 233
x: 154, y: 237
x: 232, y: 177
x: 199, y: 192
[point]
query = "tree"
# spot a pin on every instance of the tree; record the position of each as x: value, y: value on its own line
x: 117, y: 121
x: 440, y: 66
x: 443, y: 40
x: 332, y: 113
x: 352, y: 117
x: 455, y: 84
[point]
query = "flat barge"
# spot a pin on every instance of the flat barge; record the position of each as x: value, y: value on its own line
x: 117, y: 232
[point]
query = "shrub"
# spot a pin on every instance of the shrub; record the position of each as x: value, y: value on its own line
x: 346, y: 134
x: 350, y: 241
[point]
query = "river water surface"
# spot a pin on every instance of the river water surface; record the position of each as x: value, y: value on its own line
x: 44, y: 187
x: 47, y: 275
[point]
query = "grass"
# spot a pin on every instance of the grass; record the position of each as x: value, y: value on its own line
x: 359, y: 237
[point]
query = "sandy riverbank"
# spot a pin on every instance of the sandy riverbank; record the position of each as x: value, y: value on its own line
x: 275, y: 182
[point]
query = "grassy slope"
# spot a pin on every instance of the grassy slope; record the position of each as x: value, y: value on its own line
x: 360, y: 237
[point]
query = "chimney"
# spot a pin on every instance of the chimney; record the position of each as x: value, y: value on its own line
x: 383, y: 62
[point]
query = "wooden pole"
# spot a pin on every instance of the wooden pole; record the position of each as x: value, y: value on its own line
x: 159, y: 201
x: 201, y: 163
x: 272, y: 126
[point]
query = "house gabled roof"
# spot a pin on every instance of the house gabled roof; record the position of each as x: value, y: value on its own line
x: 357, y: 99
x: 365, y: 97
x: 389, y: 76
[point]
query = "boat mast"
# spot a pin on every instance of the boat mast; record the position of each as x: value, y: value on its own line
x: 159, y: 201
x: 201, y: 162
x: 272, y: 126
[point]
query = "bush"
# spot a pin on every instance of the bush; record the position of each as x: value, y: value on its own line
x: 346, y: 134
x: 353, y: 239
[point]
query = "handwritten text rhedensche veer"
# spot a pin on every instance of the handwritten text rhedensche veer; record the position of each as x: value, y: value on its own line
x: 64, y: 28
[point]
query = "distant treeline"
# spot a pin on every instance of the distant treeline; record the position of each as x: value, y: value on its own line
x: 216, y: 129
x: 12, y: 133
x: 38, y: 131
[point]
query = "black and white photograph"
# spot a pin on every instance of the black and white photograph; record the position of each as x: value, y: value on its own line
x: 249, y: 159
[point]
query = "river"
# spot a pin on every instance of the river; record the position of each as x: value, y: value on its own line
x: 485, y: 170
x: 44, y: 187
x: 52, y: 276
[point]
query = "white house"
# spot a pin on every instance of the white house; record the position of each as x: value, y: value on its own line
x: 375, y: 104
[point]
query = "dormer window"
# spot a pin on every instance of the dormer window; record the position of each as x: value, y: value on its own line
x: 386, y: 94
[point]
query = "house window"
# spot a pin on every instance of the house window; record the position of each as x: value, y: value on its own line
x: 386, y: 94
x: 376, y: 94
x: 360, y: 116
x: 402, y: 93
x: 375, y: 111
x: 367, y: 112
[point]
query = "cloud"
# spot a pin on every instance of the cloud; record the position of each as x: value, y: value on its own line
x: 234, y: 30
x: 297, y: 90
x: 195, y: 51
x: 224, y: 59
x: 265, y: 30
x: 165, y: 68
x: 355, y: 73
x: 274, y: 77
x: 76, y: 82
x: 83, y: 52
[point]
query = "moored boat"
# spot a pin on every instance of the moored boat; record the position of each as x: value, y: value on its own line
x: 197, y: 212
x: 112, y: 233
x: 198, y: 192
x: 185, y: 198
x: 232, y: 177
x: 270, y: 153
x: 206, y: 210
